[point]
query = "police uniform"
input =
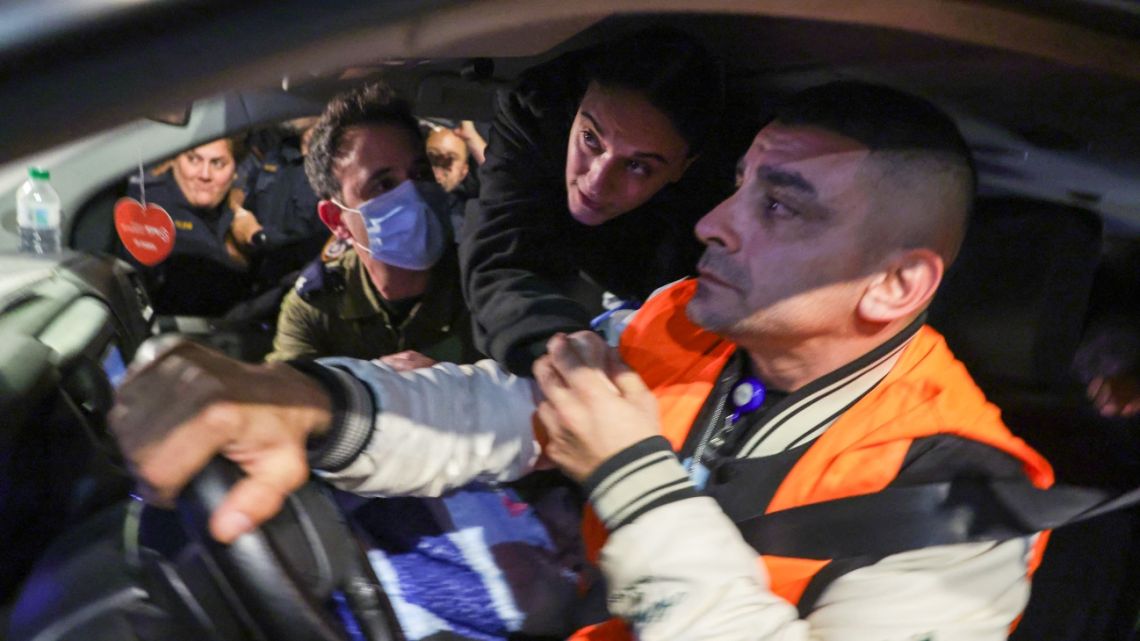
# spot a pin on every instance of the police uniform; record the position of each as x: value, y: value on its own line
x: 335, y: 310
x: 279, y: 194
x: 199, y: 278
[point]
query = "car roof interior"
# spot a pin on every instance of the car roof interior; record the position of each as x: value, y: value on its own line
x: 959, y: 53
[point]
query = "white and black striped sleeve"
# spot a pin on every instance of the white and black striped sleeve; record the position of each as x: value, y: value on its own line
x: 640, y: 478
x: 428, y: 430
x: 351, y: 426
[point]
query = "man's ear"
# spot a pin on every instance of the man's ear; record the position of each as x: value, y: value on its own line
x: 330, y: 214
x: 903, y: 287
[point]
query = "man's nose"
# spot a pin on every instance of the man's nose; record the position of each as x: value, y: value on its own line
x: 715, y: 227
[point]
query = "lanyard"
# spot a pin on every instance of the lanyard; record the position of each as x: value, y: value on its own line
x: 746, y: 396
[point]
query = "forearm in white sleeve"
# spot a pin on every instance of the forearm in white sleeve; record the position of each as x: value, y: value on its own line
x: 438, y: 428
x: 677, y: 568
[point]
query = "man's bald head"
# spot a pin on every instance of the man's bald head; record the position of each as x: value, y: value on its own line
x: 920, y: 172
x: 447, y: 153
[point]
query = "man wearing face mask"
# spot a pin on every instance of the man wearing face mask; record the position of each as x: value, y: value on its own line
x: 391, y: 288
x: 394, y: 293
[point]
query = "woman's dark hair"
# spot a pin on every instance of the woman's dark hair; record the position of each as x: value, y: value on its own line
x: 239, y: 147
x: 674, y: 72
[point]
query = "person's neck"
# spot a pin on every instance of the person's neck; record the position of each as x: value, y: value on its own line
x: 396, y: 283
x: 791, y: 363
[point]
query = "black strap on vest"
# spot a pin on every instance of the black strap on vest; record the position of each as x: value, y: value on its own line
x: 899, y: 519
x: 858, y: 531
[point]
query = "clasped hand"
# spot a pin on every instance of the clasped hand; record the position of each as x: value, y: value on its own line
x: 595, y: 406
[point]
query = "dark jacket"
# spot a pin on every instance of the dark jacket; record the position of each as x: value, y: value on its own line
x: 521, y: 252
x: 278, y: 193
x: 199, y: 278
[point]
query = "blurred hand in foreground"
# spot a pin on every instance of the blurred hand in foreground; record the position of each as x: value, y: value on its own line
x: 189, y: 404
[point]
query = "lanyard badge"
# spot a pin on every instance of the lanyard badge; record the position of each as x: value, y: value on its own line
x: 746, y: 396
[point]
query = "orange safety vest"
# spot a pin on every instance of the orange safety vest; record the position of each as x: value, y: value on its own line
x: 928, y: 392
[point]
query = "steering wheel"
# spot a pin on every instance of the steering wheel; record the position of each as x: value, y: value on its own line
x: 301, y: 576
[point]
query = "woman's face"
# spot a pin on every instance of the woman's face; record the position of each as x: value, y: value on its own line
x: 205, y: 173
x: 622, y: 150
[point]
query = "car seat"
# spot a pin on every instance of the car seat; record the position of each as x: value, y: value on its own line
x: 1012, y: 308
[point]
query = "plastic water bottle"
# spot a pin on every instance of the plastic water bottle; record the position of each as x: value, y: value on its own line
x: 37, y: 214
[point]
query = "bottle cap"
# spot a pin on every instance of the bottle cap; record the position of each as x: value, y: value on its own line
x: 39, y: 173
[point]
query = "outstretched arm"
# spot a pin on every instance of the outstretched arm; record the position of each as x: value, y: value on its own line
x: 424, y: 431
x: 369, y: 428
x: 516, y: 246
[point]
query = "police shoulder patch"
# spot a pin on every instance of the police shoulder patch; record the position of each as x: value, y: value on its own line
x: 316, y: 278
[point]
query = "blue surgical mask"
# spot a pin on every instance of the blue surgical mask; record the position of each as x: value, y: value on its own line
x: 404, y: 230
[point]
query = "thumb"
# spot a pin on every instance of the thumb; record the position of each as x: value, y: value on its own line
x: 258, y: 497
x: 627, y: 381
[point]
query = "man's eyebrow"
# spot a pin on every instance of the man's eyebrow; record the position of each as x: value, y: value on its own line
x: 378, y: 174
x: 648, y: 155
x: 784, y: 178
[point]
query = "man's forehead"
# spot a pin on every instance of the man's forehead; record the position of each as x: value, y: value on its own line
x: 380, y: 133
x: 377, y: 142
x: 778, y: 144
x: 443, y: 139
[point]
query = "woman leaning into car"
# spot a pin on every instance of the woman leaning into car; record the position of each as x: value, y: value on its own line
x: 583, y: 177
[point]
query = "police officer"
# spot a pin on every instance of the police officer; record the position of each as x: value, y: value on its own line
x: 391, y: 284
x: 281, y: 233
x: 205, y: 274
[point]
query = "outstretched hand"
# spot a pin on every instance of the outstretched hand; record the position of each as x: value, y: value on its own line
x: 191, y: 403
x: 407, y: 360
x: 595, y: 406
x: 1115, y: 396
x: 244, y: 226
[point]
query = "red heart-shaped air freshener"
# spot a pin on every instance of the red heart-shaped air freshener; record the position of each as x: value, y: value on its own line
x: 147, y: 233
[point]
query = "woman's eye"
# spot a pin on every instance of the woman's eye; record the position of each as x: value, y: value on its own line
x: 590, y: 140
x: 639, y: 168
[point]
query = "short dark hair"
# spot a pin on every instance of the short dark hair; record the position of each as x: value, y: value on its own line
x: 674, y: 72
x: 907, y: 134
x: 372, y: 104
x: 879, y: 117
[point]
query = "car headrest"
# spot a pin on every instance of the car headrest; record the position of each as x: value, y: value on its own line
x: 1013, y: 305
